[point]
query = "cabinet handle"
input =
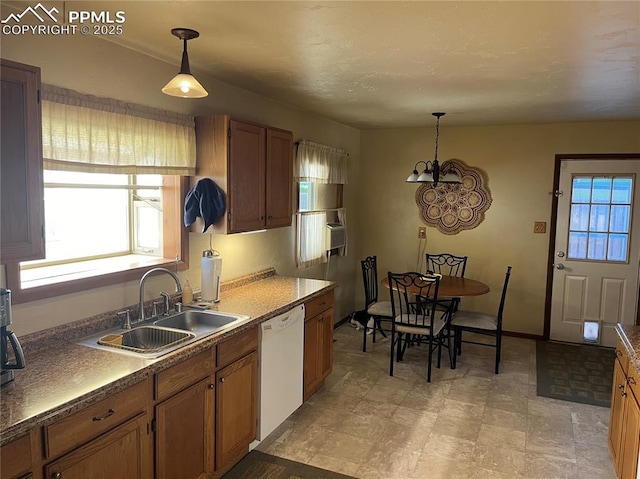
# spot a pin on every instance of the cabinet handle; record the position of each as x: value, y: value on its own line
x: 620, y: 386
x: 109, y: 413
x: 56, y: 475
x: 623, y: 394
x: 270, y: 217
x: 221, y: 380
x: 212, y: 386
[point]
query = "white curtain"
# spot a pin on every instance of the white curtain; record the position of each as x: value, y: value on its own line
x: 87, y: 133
x: 342, y: 218
x: 310, y: 247
x: 320, y: 163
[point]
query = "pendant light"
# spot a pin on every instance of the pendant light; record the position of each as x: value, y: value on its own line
x: 184, y: 84
x: 432, y: 172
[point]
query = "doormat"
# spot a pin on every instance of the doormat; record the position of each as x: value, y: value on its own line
x: 578, y: 373
x: 258, y: 465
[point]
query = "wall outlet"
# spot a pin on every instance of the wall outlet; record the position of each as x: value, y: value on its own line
x: 422, y: 232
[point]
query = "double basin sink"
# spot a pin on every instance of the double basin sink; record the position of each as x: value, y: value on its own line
x: 158, y: 336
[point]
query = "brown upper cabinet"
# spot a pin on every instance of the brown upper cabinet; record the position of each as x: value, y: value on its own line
x: 21, y: 184
x: 253, y: 164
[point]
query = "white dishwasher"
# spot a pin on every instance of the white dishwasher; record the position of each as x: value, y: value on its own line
x: 281, y: 369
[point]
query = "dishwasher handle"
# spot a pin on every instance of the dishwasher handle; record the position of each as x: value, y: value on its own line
x: 283, y: 321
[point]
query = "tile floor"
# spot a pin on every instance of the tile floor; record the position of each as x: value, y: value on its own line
x: 467, y: 423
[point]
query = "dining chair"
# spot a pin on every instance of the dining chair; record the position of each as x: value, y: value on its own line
x: 450, y: 265
x: 415, y: 318
x: 481, y: 323
x: 378, y: 310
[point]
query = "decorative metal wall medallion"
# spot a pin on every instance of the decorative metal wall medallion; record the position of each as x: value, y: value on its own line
x: 455, y: 207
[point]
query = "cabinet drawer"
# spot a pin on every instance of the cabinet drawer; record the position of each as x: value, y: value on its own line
x: 315, y: 306
x: 180, y: 376
x: 621, y: 354
x: 237, y: 347
x: 94, y: 420
x: 15, y: 458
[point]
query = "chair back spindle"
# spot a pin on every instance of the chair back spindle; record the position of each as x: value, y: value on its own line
x: 446, y: 264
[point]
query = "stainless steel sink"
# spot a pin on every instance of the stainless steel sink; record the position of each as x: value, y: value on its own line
x: 207, y: 322
x: 158, y: 336
x: 146, y: 339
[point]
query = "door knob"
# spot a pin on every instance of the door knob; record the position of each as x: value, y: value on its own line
x: 558, y: 266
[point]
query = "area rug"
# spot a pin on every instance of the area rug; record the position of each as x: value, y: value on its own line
x: 577, y: 373
x: 258, y: 465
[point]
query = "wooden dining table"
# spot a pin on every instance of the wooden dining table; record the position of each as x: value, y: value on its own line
x: 454, y: 287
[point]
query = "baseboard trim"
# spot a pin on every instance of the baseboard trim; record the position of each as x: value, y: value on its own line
x: 341, y: 322
x: 515, y: 334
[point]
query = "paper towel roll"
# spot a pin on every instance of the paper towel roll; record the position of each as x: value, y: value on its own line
x: 211, y: 269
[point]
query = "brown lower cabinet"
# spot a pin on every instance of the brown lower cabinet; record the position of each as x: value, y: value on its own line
x: 194, y: 420
x: 318, y: 343
x: 624, y: 423
x: 122, y: 452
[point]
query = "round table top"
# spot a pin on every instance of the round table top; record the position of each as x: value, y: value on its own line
x: 455, y: 287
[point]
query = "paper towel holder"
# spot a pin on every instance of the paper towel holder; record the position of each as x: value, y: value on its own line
x: 210, y: 285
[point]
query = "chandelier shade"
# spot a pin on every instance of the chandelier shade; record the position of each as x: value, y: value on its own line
x: 432, y: 172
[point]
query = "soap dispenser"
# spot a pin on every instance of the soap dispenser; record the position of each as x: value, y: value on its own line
x: 187, y: 293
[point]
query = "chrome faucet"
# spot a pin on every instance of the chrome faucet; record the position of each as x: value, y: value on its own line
x: 142, y: 316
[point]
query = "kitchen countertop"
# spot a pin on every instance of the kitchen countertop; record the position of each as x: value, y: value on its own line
x: 630, y: 337
x: 61, y: 377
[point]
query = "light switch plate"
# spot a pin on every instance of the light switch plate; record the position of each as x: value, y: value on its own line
x: 540, y: 227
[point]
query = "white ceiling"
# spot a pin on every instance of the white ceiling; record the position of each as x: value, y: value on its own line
x: 390, y: 64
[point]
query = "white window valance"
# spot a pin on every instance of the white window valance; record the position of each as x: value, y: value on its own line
x: 88, y: 133
x: 320, y: 163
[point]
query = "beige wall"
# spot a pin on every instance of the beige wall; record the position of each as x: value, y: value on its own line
x: 95, y: 66
x: 519, y: 161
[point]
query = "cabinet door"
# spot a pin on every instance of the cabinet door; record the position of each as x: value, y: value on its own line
x: 123, y: 452
x: 185, y: 433
x: 237, y: 406
x: 246, y: 177
x: 279, y: 178
x: 617, y: 411
x: 312, y: 341
x: 21, y: 187
x: 630, y: 447
x: 15, y: 458
x: 326, y: 347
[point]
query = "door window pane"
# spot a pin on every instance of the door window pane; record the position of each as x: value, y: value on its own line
x: 579, y: 218
x: 621, y: 191
x: 599, y: 218
x: 600, y: 206
x: 581, y: 190
x: 597, y: 247
x: 620, y: 216
x: 617, y: 247
x: 577, y: 245
x: 601, y: 190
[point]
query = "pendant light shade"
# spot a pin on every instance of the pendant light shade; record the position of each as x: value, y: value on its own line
x: 184, y: 84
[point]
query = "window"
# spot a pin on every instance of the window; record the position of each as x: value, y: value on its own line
x: 113, y: 197
x: 321, y: 172
x: 600, y: 219
x: 103, y: 229
x: 90, y: 216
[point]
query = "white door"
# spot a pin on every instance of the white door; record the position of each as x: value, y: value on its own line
x: 597, y: 250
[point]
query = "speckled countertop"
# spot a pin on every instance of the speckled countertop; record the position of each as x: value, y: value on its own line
x: 61, y: 377
x: 630, y: 336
